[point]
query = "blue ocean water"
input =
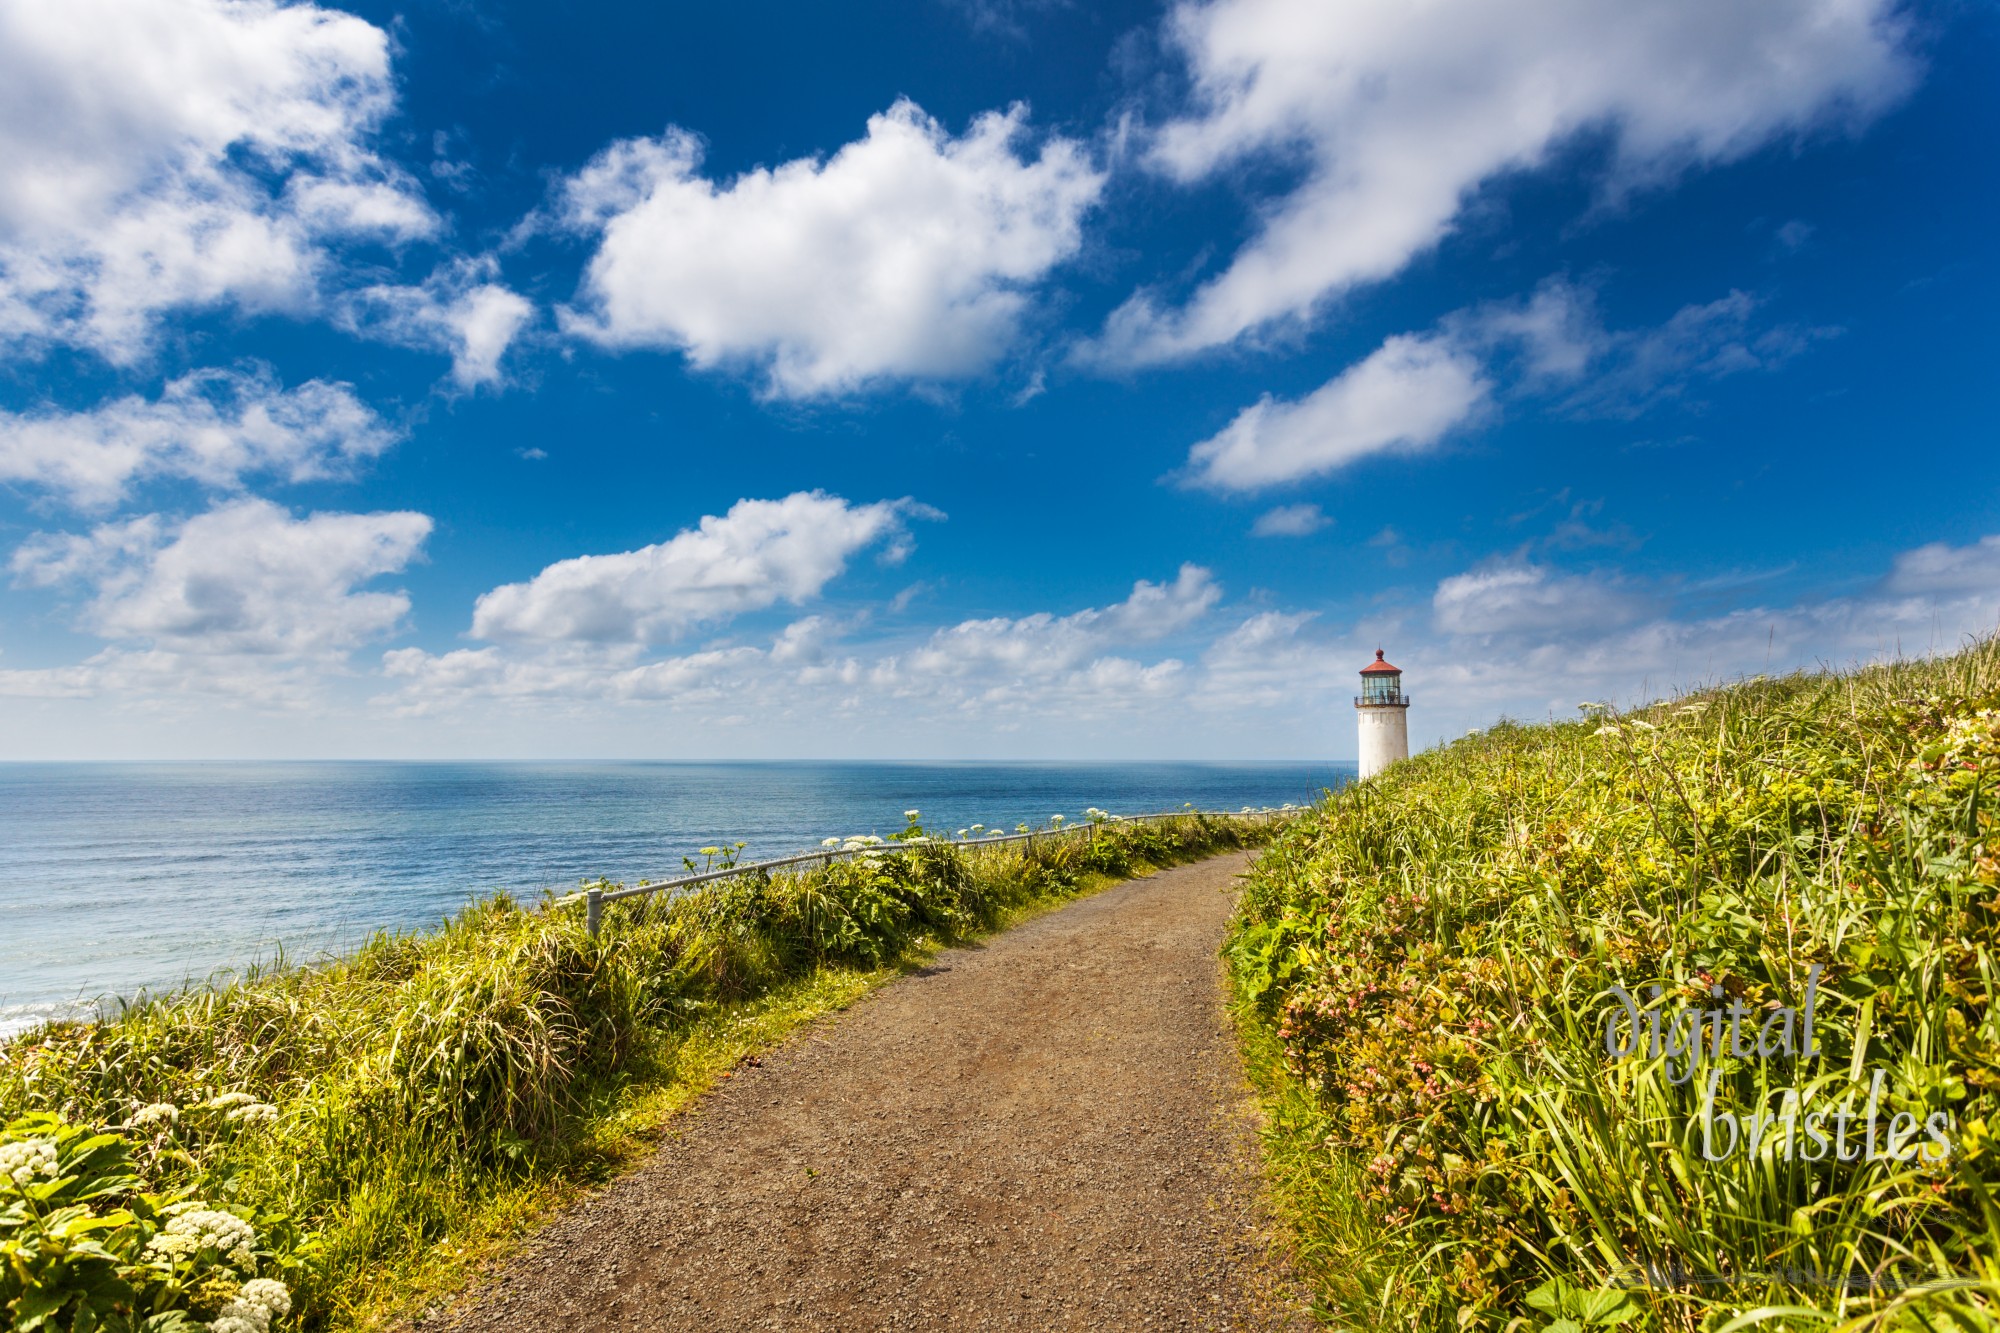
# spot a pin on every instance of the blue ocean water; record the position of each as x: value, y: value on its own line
x: 122, y: 878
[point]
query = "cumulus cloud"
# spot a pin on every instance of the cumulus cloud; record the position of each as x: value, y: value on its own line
x: 246, y: 578
x: 1516, y: 596
x: 1403, y: 398
x: 1399, y: 112
x: 432, y: 681
x: 1270, y: 661
x: 758, y: 554
x: 182, y: 154
x: 1943, y: 568
x: 159, y: 682
x: 1080, y: 664
x: 907, y: 255
x: 1415, y: 389
x: 1524, y: 638
x: 1290, y: 521
x: 461, y: 311
x: 1042, y: 644
x: 213, y: 427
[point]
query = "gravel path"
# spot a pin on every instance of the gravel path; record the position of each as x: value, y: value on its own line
x: 1048, y: 1131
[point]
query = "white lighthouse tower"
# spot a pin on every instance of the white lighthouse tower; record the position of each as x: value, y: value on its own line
x: 1384, y: 713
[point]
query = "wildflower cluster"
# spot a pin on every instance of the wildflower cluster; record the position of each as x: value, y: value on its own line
x: 22, y: 1162
x: 198, y: 1229
x: 253, y: 1307
x: 156, y: 1116
x: 84, y: 1244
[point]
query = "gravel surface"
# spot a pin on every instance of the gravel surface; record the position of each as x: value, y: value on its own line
x: 1047, y: 1131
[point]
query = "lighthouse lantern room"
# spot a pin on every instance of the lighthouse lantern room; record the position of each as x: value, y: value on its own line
x: 1383, y: 711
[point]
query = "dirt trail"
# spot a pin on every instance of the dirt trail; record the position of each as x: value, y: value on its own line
x: 1048, y: 1131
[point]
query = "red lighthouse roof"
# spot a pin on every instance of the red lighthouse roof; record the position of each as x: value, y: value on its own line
x: 1380, y: 668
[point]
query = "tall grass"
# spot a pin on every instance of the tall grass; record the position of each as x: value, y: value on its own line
x: 433, y: 1087
x: 1424, y: 965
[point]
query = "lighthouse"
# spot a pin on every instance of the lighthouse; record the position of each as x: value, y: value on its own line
x: 1384, y: 714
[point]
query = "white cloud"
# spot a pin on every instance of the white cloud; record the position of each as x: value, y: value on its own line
x: 213, y: 427
x: 431, y: 682
x: 1043, y: 645
x: 760, y: 553
x: 1269, y: 662
x: 1079, y: 664
x: 1942, y: 568
x: 1516, y: 597
x: 1403, y: 398
x: 461, y: 311
x: 245, y: 578
x: 1415, y: 389
x: 1557, y: 329
x: 184, y: 153
x: 907, y: 255
x: 1399, y: 112
x: 1565, y: 348
x: 151, y: 680
x: 1290, y: 521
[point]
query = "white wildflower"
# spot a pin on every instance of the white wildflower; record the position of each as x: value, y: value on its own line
x: 963, y: 832
x: 22, y: 1162
x: 207, y: 1229
x: 1607, y: 729
x: 159, y: 1113
x: 251, y: 1309
x: 911, y: 814
x: 254, y: 1113
x: 979, y: 828
x: 1643, y: 725
x: 269, y: 1293
x: 173, y: 1246
x: 829, y: 842
x: 226, y: 1100
x: 1055, y: 819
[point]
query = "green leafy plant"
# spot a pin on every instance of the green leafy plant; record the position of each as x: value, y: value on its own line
x: 1428, y: 959
x: 84, y: 1246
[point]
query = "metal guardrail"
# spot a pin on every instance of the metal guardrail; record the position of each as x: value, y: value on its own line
x: 595, y: 898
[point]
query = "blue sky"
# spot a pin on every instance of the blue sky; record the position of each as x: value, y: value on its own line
x: 975, y: 378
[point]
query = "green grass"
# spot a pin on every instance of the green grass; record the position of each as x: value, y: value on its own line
x: 1423, y: 967
x: 439, y: 1092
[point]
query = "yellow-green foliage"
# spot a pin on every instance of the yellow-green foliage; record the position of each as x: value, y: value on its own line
x: 431, y: 1072
x: 1425, y: 964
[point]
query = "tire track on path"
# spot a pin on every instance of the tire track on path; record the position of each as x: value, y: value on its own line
x: 1048, y: 1130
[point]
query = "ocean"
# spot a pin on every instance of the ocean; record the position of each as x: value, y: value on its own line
x: 122, y: 879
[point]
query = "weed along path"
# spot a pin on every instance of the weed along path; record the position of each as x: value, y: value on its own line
x: 1047, y: 1131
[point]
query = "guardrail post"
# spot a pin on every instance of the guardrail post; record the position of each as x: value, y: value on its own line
x: 593, y: 909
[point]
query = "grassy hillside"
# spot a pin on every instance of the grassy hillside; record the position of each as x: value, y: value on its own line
x: 1465, y: 1130
x: 363, y: 1132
